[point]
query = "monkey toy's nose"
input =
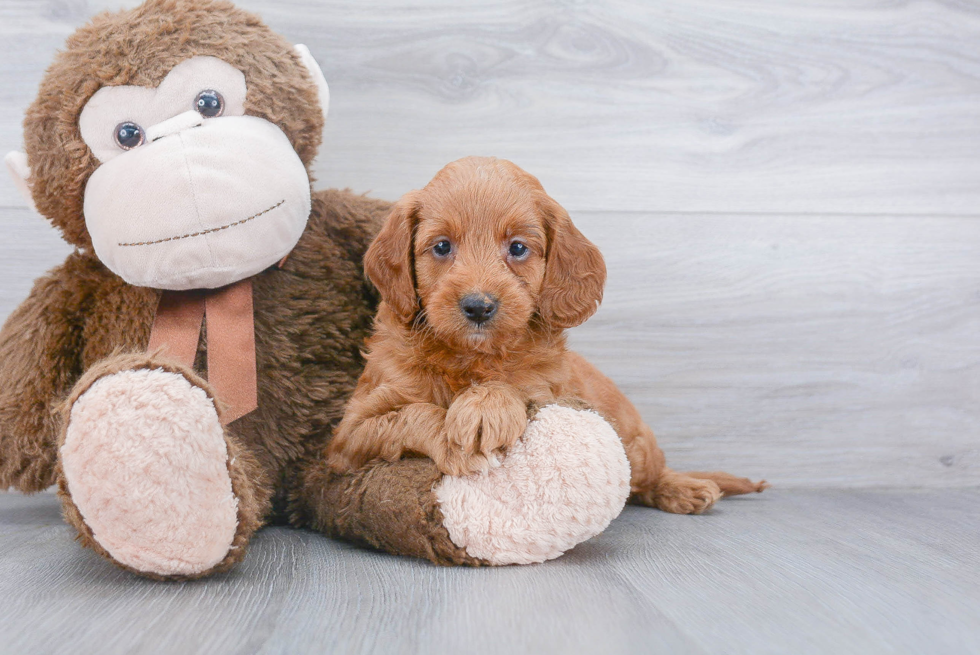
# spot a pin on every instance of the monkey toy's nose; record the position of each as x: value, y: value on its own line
x: 173, y: 125
x: 478, y: 307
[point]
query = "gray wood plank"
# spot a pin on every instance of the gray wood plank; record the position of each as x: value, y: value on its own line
x: 30, y: 246
x: 877, y: 572
x: 808, y: 350
x: 786, y: 572
x: 750, y: 105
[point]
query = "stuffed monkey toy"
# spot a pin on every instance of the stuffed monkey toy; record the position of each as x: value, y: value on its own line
x: 179, y: 375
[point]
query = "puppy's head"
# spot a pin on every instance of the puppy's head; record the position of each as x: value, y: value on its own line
x: 482, y: 251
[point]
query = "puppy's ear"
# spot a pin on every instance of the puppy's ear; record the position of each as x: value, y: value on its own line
x: 388, y: 261
x: 575, y: 272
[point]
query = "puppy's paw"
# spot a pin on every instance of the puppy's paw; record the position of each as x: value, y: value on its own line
x: 681, y: 494
x: 486, y: 419
x: 452, y: 460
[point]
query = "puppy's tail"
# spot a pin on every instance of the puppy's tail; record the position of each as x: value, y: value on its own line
x: 730, y: 485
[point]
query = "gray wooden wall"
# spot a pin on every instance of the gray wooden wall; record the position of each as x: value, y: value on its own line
x: 787, y: 195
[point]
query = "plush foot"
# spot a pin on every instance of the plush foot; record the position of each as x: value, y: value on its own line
x: 146, y: 468
x: 560, y: 484
x: 680, y: 494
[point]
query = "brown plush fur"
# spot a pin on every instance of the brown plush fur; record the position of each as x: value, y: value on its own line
x: 388, y: 506
x: 311, y: 316
x: 440, y: 385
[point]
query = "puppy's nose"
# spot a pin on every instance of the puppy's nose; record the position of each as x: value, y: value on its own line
x: 478, y: 307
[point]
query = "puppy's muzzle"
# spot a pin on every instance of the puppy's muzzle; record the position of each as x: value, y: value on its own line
x: 478, y: 308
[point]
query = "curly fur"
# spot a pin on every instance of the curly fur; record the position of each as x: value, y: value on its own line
x: 440, y: 385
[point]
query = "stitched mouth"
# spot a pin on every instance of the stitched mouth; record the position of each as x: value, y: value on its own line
x: 203, y: 232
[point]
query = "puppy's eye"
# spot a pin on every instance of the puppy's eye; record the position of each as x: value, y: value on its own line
x: 128, y: 135
x: 518, y: 250
x: 442, y: 249
x: 209, y: 103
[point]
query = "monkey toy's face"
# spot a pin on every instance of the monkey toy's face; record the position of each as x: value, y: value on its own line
x: 190, y: 193
x: 173, y: 140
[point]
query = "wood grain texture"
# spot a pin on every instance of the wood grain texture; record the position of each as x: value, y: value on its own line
x: 807, y: 350
x: 29, y: 247
x: 691, y: 105
x: 788, y: 572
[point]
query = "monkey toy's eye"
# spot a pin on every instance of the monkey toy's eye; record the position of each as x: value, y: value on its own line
x: 129, y: 135
x: 442, y: 249
x: 518, y: 250
x: 209, y: 103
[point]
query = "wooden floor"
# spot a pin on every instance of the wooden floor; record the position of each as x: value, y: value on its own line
x: 799, y: 572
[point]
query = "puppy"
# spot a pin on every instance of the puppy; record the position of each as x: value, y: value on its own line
x: 480, y: 273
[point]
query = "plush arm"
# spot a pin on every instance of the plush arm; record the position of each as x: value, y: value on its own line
x: 559, y: 485
x: 40, y: 345
x: 391, y: 506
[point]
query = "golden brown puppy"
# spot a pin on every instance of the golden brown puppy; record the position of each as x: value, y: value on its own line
x: 480, y: 272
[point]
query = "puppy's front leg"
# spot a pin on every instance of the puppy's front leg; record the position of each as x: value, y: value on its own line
x: 375, y: 427
x: 486, y: 419
x: 481, y: 422
x: 462, y: 440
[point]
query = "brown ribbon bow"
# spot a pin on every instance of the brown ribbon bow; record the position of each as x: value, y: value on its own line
x: 231, y: 340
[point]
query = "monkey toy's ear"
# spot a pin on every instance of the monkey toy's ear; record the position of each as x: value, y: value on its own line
x: 322, y: 90
x: 20, y: 172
